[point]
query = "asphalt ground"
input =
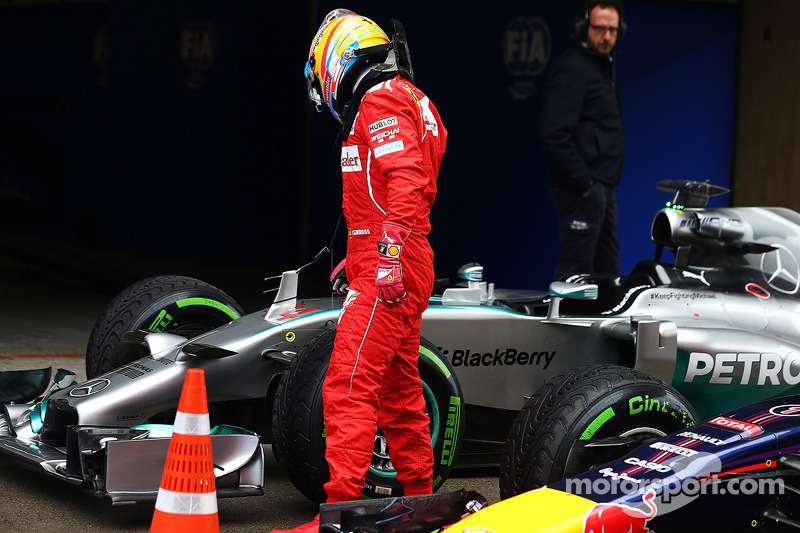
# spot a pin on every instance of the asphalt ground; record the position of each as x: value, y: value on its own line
x: 45, y: 321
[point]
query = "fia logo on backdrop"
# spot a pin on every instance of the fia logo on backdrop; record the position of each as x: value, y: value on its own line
x: 527, y: 47
x: 198, y: 50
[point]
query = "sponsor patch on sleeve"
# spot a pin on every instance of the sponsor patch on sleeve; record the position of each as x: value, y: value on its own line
x: 382, y: 136
x: 395, y: 146
x: 351, y: 162
x: 382, y: 123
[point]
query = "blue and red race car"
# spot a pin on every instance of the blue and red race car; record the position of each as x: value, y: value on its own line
x: 739, y: 471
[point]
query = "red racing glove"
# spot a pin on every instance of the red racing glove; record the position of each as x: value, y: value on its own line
x: 389, y: 273
x: 339, y: 283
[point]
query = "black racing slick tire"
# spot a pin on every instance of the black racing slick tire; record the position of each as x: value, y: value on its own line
x: 171, y: 304
x: 547, y: 440
x: 299, y: 431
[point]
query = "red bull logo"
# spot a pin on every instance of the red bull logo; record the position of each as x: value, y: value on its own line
x: 618, y: 518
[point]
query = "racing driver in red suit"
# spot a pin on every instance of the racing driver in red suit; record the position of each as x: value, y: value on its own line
x: 394, y: 143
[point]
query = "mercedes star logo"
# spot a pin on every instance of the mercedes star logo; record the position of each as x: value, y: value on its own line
x: 90, y: 387
x: 781, y: 269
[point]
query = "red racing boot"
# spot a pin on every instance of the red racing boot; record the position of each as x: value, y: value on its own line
x: 311, y: 527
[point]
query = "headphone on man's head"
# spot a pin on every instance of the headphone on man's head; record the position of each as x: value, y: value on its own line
x: 580, y: 27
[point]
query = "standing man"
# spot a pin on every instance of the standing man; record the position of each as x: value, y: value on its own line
x: 582, y: 134
x: 393, y: 144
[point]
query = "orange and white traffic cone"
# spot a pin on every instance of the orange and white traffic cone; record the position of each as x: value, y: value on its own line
x: 187, y: 496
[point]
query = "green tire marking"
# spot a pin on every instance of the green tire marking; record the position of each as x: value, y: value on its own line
x: 157, y: 321
x: 210, y: 303
x: 604, y: 417
x: 453, y: 420
x: 438, y: 362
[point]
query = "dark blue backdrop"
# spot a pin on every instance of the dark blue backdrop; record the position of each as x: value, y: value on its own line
x: 180, y: 129
x: 677, y: 82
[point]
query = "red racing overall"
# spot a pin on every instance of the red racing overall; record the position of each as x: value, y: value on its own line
x: 390, y: 162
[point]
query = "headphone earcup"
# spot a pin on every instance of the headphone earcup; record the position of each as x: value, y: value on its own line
x: 623, y: 28
x: 580, y: 27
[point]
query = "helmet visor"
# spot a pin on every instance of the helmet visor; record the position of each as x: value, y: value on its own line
x: 335, y: 14
x: 313, y: 86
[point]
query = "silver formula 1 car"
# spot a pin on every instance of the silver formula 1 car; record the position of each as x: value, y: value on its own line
x: 711, y: 330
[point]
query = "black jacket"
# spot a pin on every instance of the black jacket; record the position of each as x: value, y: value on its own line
x: 581, y: 126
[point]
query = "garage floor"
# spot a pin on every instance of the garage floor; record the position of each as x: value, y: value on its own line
x: 44, y: 315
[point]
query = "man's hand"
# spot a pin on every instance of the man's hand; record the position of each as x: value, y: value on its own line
x: 389, y: 273
x: 339, y: 283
